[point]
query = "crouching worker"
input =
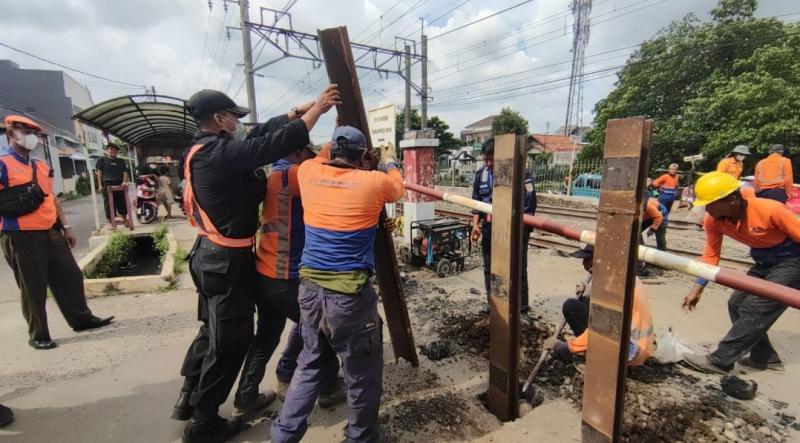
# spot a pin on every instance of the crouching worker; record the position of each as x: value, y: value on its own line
x: 771, y: 231
x: 342, y: 201
x: 576, y: 312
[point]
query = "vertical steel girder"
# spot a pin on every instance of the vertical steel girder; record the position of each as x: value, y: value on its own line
x: 618, y: 228
x: 335, y: 45
x: 506, y: 276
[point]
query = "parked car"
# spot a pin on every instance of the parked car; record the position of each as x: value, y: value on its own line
x: 587, y: 185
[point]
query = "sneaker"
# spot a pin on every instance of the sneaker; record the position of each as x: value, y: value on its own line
x: 335, y: 395
x: 247, y: 408
x: 702, y: 363
x: 380, y: 437
x: 280, y: 389
x: 776, y: 366
x: 214, y: 430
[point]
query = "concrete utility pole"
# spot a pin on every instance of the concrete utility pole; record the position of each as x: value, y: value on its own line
x: 244, y: 14
x: 424, y: 82
x: 407, y: 126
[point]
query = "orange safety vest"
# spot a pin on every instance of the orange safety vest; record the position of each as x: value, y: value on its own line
x: 730, y: 165
x: 16, y: 170
x: 772, y: 172
x: 198, y: 217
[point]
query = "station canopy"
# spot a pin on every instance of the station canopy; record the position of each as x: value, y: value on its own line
x: 151, y: 122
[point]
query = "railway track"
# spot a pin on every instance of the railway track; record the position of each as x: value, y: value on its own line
x: 548, y: 241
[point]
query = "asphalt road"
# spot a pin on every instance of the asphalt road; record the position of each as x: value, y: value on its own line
x: 79, y: 214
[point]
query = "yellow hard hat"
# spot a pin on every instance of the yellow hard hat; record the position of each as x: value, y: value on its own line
x: 714, y: 186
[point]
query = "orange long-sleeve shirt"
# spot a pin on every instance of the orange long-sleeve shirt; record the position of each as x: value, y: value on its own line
x: 775, y: 171
x: 641, y: 329
x: 651, y: 210
x: 766, y: 223
x: 730, y: 165
x: 666, y: 181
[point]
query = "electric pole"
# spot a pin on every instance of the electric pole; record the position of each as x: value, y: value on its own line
x: 244, y: 14
x: 408, y: 89
x: 424, y: 85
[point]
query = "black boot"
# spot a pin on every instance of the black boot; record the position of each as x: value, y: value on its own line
x: 182, y: 410
x: 210, y: 430
x: 94, y: 323
x: 6, y: 416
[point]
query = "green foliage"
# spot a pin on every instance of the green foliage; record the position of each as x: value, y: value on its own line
x: 509, y: 122
x: 83, y: 186
x: 117, y: 254
x: 160, y: 242
x: 181, y: 256
x: 447, y: 141
x: 710, y: 86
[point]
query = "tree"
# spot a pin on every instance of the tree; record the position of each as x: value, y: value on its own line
x: 447, y: 141
x: 710, y: 86
x: 509, y: 122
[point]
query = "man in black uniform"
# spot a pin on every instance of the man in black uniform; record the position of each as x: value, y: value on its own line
x: 112, y: 171
x: 221, y: 200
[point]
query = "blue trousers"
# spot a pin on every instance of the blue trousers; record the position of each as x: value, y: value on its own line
x: 334, y: 324
x: 777, y: 194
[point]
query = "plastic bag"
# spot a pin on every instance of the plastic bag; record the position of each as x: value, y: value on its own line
x: 670, y: 349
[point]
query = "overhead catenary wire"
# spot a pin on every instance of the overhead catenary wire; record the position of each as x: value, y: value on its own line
x: 205, y: 45
x: 480, y: 19
x: 69, y: 68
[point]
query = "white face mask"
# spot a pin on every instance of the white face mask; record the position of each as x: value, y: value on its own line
x: 740, y: 157
x: 27, y: 141
x: 240, y: 133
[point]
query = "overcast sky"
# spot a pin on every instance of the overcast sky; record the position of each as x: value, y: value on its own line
x: 179, y: 46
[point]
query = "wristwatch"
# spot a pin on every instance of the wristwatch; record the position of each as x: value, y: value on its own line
x: 65, y: 227
x: 296, y: 111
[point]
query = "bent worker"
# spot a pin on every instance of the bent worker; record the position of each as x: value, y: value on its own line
x: 482, y: 189
x: 112, y: 171
x: 667, y: 186
x: 277, y: 282
x: 773, y: 235
x: 221, y: 199
x: 576, y: 312
x: 773, y: 176
x: 338, y: 307
x: 733, y: 164
x: 36, y: 238
x: 654, y: 222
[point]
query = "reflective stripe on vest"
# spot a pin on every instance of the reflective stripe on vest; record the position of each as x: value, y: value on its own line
x: 198, y: 217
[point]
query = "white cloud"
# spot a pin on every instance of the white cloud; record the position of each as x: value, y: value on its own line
x: 160, y: 42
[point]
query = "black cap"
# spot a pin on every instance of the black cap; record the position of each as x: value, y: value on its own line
x: 586, y: 252
x: 203, y: 104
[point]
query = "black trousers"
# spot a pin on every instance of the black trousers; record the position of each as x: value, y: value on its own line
x: 119, y: 200
x: 777, y: 194
x: 42, y: 259
x: 752, y: 316
x: 576, y: 313
x: 486, y: 247
x: 225, y: 280
x: 276, y: 300
x: 661, y: 234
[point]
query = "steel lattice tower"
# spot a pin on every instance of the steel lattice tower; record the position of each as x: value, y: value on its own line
x: 580, y: 28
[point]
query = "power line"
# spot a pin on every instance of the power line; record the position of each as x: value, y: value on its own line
x: 384, y: 28
x: 100, y: 77
x: 205, y: 43
x: 380, y: 17
x: 480, y: 19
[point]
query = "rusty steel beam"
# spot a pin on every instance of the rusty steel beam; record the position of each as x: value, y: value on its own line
x: 506, y: 276
x: 618, y: 221
x: 335, y: 46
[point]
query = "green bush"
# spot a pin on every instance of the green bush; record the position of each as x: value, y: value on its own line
x: 117, y: 254
x: 83, y: 186
x: 160, y: 242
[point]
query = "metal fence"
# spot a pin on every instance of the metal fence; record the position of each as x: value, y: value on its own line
x: 550, y: 178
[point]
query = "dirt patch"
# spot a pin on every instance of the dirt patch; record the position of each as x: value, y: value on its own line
x: 448, y: 411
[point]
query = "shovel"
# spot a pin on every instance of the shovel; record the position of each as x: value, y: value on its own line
x: 544, y: 355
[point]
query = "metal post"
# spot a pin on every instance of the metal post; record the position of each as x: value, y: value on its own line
x: 408, y: 89
x: 335, y: 47
x: 616, y: 247
x: 506, y: 276
x: 244, y: 14
x: 91, y: 177
x: 424, y: 105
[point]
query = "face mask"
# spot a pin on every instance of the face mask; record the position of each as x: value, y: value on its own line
x: 740, y: 158
x: 27, y: 141
x: 240, y: 132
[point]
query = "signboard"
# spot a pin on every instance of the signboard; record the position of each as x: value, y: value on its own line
x: 693, y: 158
x: 382, y: 127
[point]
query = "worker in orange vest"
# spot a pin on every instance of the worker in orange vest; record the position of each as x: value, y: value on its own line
x: 733, y: 164
x: 773, y: 176
x: 667, y: 185
x: 773, y: 234
x: 576, y: 312
x: 36, y: 237
x: 221, y: 199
